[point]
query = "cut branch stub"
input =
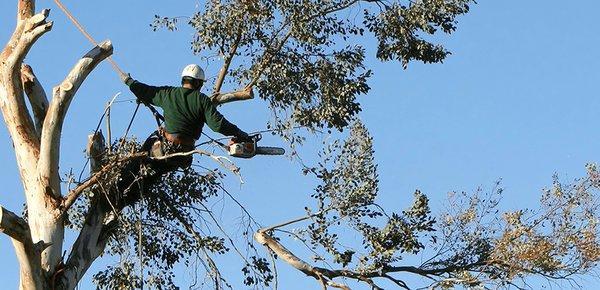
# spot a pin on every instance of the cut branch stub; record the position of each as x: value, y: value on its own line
x: 35, y: 27
x: 14, y: 226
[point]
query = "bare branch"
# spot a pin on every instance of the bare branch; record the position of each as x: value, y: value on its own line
x: 263, y: 238
x: 14, y: 226
x: 74, y: 194
x: 37, y: 96
x: 32, y: 29
x: 246, y: 94
x: 63, y: 94
x: 19, y: 122
x: 295, y: 220
x: 227, y: 63
x: 190, y: 229
x: 27, y: 253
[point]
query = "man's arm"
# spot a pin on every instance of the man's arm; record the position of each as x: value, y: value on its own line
x: 145, y: 93
x: 218, y: 123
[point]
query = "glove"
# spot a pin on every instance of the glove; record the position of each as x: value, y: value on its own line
x: 125, y: 78
x: 241, y: 137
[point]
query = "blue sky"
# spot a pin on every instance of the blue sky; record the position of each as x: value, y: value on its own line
x: 517, y: 100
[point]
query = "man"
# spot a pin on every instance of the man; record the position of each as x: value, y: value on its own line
x: 186, y: 110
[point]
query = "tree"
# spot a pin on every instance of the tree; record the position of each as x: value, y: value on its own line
x: 302, y: 58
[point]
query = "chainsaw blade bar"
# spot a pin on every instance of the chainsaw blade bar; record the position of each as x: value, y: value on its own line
x: 261, y: 150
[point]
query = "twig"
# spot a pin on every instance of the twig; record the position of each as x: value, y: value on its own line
x: 231, y: 167
x: 75, y: 193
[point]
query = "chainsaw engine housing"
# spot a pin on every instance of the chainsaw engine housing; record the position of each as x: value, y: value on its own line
x: 243, y: 150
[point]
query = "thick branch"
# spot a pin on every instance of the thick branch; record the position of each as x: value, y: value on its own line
x: 246, y: 94
x: 63, y: 94
x: 37, y: 96
x: 12, y: 99
x: 27, y: 253
x: 90, y: 244
x: 263, y: 238
x: 321, y: 274
x: 14, y: 226
x: 34, y: 27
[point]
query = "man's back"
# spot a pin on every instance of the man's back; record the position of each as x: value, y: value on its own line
x: 185, y: 110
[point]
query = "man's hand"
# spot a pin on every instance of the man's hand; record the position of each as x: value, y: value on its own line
x: 125, y: 78
x: 240, y: 138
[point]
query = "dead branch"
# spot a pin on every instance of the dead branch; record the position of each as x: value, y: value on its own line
x: 37, y: 96
x: 89, y: 245
x: 74, y: 194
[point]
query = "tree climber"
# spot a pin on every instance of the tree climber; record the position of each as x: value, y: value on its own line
x: 185, y: 110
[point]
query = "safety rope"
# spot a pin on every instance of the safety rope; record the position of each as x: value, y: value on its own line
x: 86, y: 34
x: 114, y: 65
x: 131, y: 122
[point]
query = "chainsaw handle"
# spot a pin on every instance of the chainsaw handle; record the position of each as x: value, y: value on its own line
x: 256, y: 137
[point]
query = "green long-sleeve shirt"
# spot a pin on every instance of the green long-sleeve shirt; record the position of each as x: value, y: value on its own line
x: 185, y: 110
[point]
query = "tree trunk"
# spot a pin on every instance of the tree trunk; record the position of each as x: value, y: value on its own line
x: 38, y: 242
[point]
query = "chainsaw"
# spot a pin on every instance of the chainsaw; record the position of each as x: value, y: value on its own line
x: 249, y: 149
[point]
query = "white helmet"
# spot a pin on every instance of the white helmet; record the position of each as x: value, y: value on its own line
x: 193, y: 71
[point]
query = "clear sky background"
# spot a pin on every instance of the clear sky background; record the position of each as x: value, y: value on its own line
x: 517, y: 100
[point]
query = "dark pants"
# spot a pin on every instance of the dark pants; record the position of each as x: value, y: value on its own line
x: 159, y: 147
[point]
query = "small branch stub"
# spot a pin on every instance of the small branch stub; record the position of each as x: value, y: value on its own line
x: 14, y: 226
x: 66, y: 86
